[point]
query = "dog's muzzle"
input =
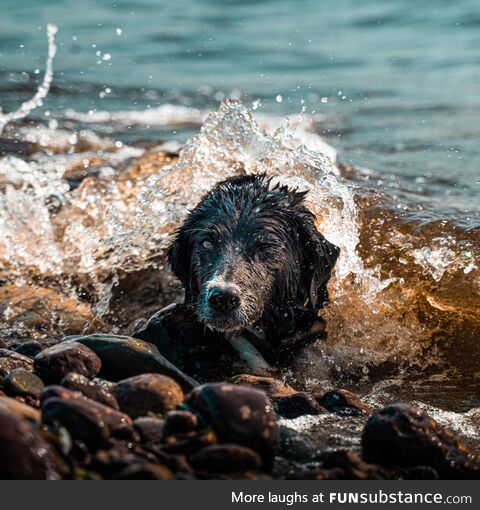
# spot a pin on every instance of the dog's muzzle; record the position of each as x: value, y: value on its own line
x: 223, y: 299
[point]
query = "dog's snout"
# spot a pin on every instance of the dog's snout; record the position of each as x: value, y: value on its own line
x: 223, y: 299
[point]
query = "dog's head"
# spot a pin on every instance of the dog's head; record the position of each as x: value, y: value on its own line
x: 247, y: 247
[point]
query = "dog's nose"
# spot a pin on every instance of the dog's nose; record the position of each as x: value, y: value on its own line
x: 223, y: 299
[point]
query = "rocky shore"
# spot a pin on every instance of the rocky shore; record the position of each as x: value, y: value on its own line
x: 112, y: 407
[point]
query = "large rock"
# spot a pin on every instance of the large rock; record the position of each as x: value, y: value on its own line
x: 274, y: 388
x: 124, y: 357
x: 238, y: 414
x: 344, y: 403
x: 23, y: 383
x: 24, y: 453
x: 11, y: 359
x: 54, y: 363
x: 31, y: 310
x: 296, y: 405
x: 91, y: 389
x: 86, y: 420
x: 402, y: 435
x: 148, y: 393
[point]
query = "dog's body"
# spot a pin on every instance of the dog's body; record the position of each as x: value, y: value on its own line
x: 253, y: 264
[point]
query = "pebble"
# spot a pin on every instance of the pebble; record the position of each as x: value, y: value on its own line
x: 19, y: 409
x: 148, y: 393
x: 150, y: 429
x: 226, y: 458
x: 30, y: 349
x: 180, y: 422
x: 54, y: 363
x: 23, y: 383
x: 90, y: 389
x: 238, y: 414
x: 344, y: 403
x: 274, y: 388
x: 11, y: 359
x: 297, y: 405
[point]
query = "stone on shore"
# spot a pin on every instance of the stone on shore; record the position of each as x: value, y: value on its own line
x: 10, y: 360
x: 226, y: 458
x: 296, y: 405
x: 23, y: 383
x: 344, y: 403
x: 274, y: 388
x: 90, y: 388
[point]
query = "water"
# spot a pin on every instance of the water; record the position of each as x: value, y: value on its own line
x: 90, y: 184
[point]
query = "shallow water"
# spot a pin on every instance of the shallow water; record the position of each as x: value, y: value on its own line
x: 92, y: 186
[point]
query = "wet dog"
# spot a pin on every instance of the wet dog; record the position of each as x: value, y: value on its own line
x: 253, y: 263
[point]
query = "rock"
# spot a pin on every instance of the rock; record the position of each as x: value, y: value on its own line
x: 344, y: 403
x: 56, y: 391
x: 86, y: 420
x: 148, y: 393
x: 144, y: 471
x: 226, y: 458
x: 190, y: 442
x: 35, y: 310
x: 19, y: 409
x: 29, y: 349
x: 11, y: 359
x: 124, y: 357
x: 274, y: 388
x: 3, y: 345
x: 54, y: 363
x: 297, y: 405
x: 402, y: 435
x: 238, y: 414
x: 296, y: 446
x: 23, y: 383
x: 178, y: 422
x: 348, y: 465
x: 149, y: 429
x: 90, y: 389
x: 24, y: 453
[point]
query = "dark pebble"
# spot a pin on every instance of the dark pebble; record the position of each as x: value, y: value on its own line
x: 149, y: 429
x: 148, y: 393
x: 54, y: 363
x: 180, y: 421
x: 238, y: 414
x: 86, y: 420
x: 144, y: 472
x: 90, y: 389
x: 124, y: 357
x: 344, y: 403
x: 402, y: 435
x: 3, y: 345
x: 24, y: 453
x: 57, y: 391
x: 10, y: 360
x: 297, y: 405
x: 226, y: 458
x: 30, y: 349
x: 23, y: 383
x: 296, y: 446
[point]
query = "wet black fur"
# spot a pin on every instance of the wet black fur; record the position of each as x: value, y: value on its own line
x: 276, y: 231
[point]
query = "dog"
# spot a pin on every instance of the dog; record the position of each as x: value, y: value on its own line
x: 253, y: 264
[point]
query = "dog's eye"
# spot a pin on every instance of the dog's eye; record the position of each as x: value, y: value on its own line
x: 207, y: 244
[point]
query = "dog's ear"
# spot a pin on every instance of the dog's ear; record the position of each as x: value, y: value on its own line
x: 178, y: 256
x: 318, y: 258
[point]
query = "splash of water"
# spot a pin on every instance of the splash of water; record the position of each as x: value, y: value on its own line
x: 37, y: 100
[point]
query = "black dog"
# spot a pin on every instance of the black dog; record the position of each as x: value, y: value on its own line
x: 251, y: 260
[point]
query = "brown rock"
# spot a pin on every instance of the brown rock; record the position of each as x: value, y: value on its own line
x: 11, y: 359
x: 149, y: 429
x: 54, y: 363
x: 148, y: 393
x: 90, y: 389
x: 29, y: 349
x: 24, y: 454
x: 19, y: 409
x: 226, y: 458
x: 297, y: 405
x: 402, y: 435
x: 238, y: 414
x: 23, y: 383
x: 56, y: 391
x: 178, y: 422
x: 144, y: 471
x: 344, y: 403
x: 274, y: 388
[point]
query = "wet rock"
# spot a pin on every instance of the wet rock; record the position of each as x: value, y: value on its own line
x: 226, y: 458
x: 144, y: 472
x: 149, y: 429
x: 32, y: 310
x: 54, y: 363
x: 148, y: 393
x: 23, y: 383
x: 238, y: 414
x: 90, y: 389
x: 348, y: 465
x: 297, y: 405
x: 30, y: 349
x: 19, y: 409
x: 3, y: 345
x: 190, y: 442
x: 344, y: 403
x: 56, y: 391
x: 24, y: 454
x: 296, y: 446
x: 124, y: 357
x: 178, y: 422
x: 11, y: 359
x: 402, y: 435
x: 274, y: 388
x: 86, y: 420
